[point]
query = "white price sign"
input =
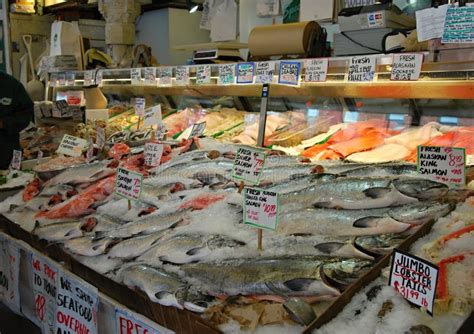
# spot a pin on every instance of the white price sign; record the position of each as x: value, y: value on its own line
x: 245, y: 73
x: 406, y: 66
x: 152, y: 116
x: 16, y: 160
x: 136, y: 76
x: 264, y: 72
x: 261, y: 208
x: 128, y: 322
x: 128, y: 184
x: 89, y: 78
x: 72, y: 146
x: 227, y: 74
x: 203, y: 75
x: 100, y: 137
x: 160, y: 131
x: 445, y: 164
x: 153, y: 153
x: 316, y: 70
x: 289, y: 73
x: 166, y: 76
x: 362, y: 68
x: 62, y: 79
x: 139, y: 106
x: 70, y: 79
x: 150, y: 76
x: 248, y: 165
x: 197, y: 130
x: 90, y: 151
x: 9, y: 274
x: 182, y: 75
x: 414, y: 278
x: 98, y: 78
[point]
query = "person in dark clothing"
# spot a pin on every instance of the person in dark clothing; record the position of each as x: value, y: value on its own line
x: 16, y: 111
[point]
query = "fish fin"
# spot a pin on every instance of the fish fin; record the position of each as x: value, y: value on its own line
x: 329, y: 247
x: 162, y: 294
x: 323, y: 205
x: 298, y: 284
x: 377, y: 192
x: 370, y: 221
x: 194, y: 251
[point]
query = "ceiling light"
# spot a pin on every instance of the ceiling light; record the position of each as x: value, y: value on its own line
x: 193, y: 7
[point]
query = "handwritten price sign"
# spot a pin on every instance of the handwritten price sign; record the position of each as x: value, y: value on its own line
x: 128, y: 184
x: 248, y: 165
x: 128, y: 322
x: 445, y: 164
x: 261, y: 208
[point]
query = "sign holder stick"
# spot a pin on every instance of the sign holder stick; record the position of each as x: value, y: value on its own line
x: 129, y: 205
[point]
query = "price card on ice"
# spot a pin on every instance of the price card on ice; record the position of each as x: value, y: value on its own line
x: 128, y: 184
x: 361, y: 68
x: 414, y: 278
x: 72, y: 146
x: 197, y: 130
x: 139, y: 106
x: 16, y: 160
x: 100, y: 137
x: 261, y: 208
x: 445, y: 164
x: 153, y: 153
x: 406, y: 66
x: 248, y: 165
x: 152, y: 116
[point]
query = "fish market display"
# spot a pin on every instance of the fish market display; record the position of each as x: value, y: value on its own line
x: 35, y: 139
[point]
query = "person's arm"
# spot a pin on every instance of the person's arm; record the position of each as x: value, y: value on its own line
x: 22, y: 112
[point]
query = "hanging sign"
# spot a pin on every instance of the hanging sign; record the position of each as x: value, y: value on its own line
x: 362, y: 68
x: 128, y: 184
x: 245, y: 73
x: 248, y: 165
x: 136, y: 76
x: 445, y: 164
x: 71, y: 79
x: 203, y: 75
x: 406, y: 66
x: 261, y: 208
x: 16, y: 160
x: 316, y: 70
x: 152, y: 115
x: 139, y: 106
x: 153, y: 153
x: 128, y: 322
x: 197, y: 130
x: 289, y: 73
x: 227, y: 74
x: 100, y: 137
x: 264, y: 72
x: 182, y: 75
x: 150, y: 76
x: 9, y: 274
x: 166, y: 76
x: 72, y: 146
x: 89, y: 78
x: 414, y: 278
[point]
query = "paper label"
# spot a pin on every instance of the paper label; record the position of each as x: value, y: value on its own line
x: 61, y: 79
x: 9, y: 275
x: 53, y: 80
x: 182, y: 75
x: 128, y: 184
x: 264, y: 72
x: 406, y: 66
x: 245, y: 73
x: 150, y: 76
x: 89, y: 78
x: 72, y: 146
x: 152, y: 115
x: 445, y: 164
x: 45, y: 282
x: 160, y: 131
x: 61, y: 109
x: 153, y: 153
x: 203, y: 75
x: 98, y: 78
x: 90, y: 151
x: 375, y: 19
x: 197, y: 130
x: 40, y: 155
x: 100, y: 137
x: 361, y: 68
x: 316, y: 70
x: 70, y: 79
x: 136, y: 76
x: 166, y: 76
x: 459, y: 25
x: 227, y: 74
x: 77, y: 306
x: 77, y: 114
x: 248, y: 165
x: 128, y: 322
x: 261, y: 208
x: 414, y: 278
x: 430, y: 22
x: 139, y: 106
x: 289, y: 73
x: 16, y: 160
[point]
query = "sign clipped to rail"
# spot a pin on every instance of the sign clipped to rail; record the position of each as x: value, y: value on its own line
x: 72, y: 146
x: 289, y: 73
x: 227, y: 74
x: 248, y: 165
x: 203, y: 75
x: 245, y: 73
x: 445, y: 164
x: 406, y: 66
x: 150, y: 76
x: 128, y: 184
x: 264, y: 72
x: 316, y: 70
x: 182, y: 75
x: 261, y: 208
x: 414, y: 278
x: 362, y: 68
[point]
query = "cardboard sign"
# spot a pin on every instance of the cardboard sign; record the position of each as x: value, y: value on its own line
x: 136, y: 76
x: 362, y: 68
x: 445, y: 164
x: 129, y: 322
x: 153, y: 153
x: 227, y: 74
x: 100, y: 137
x: 70, y: 79
x: 166, y: 76
x: 72, y: 146
x: 406, y: 66
x: 182, y: 75
x: 264, y: 72
x: 248, y: 165
x: 98, y: 78
x: 289, y: 73
x: 261, y: 208
x: 77, y: 306
x: 150, y: 76
x: 16, y: 160
x: 203, y: 75
x: 414, y: 278
x: 128, y: 184
x: 9, y: 274
x: 316, y: 70
x: 245, y: 73
x: 459, y: 25
x: 152, y: 115
x: 45, y: 283
x: 197, y: 130
x: 89, y: 78
x: 139, y: 106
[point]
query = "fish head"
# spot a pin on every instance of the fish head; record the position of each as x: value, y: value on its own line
x: 422, y: 189
x: 221, y: 241
x: 343, y: 272
x: 197, y: 301
x: 378, y: 244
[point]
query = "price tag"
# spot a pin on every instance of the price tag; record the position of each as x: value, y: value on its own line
x: 150, y: 76
x: 128, y: 184
x: 71, y: 79
x: 197, y: 130
x: 77, y: 114
x: 16, y: 160
x: 203, y: 75
x: 72, y: 146
x: 261, y: 208
x: 264, y: 72
x: 470, y: 160
x: 166, y: 76
x: 61, y: 109
x: 445, y: 164
x: 90, y: 151
x: 136, y: 76
x: 89, y: 78
x: 362, y: 68
x: 53, y: 80
x: 414, y: 278
x: 248, y: 165
x: 160, y: 131
x: 245, y: 73
x: 152, y: 116
x: 100, y: 137
x: 40, y: 155
x: 182, y: 75
x: 128, y: 322
x: 227, y: 74
x: 99, y: 77
x: 289, y: 73
x: 139, y: 106
x: 9, y: 274
x: 61, y: 79
x: 406, y: 66
x: 153, y: 153
x: 316, y: 70
x: 459, y: 25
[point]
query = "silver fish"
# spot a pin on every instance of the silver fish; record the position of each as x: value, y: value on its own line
x: 88, y: 245
x: 421, y: 212
x: 380, y: 244
x: 23, y: 217
x: 81, y: 174
x: 133, y: 247
x: 59, y: 231
x: 383, y: 170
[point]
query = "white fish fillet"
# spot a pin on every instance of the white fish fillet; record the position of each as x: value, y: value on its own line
x: 411, y: 138
x: 381, y: 154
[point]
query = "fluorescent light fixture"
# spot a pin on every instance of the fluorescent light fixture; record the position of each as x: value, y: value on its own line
x: 194, y: 8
